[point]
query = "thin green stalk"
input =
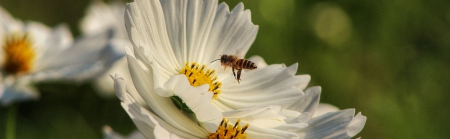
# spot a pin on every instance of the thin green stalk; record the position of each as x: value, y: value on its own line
x: 11, y: 122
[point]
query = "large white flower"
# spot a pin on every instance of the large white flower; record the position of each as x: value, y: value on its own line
x: 32, y: 52
x: 174, y: 43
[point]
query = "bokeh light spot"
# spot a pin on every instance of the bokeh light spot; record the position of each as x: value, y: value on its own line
x: 331, y: 24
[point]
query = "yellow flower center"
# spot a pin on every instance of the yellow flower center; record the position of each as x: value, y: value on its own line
x: 198, y: 75
x: 19, y: 55
x: 228, y: 131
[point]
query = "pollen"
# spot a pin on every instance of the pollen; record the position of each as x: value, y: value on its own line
x: 198, y: 75
x: 19, y: 54
x: 228, y: 131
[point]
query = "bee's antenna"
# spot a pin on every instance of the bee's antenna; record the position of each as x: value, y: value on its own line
x: 215, y: 60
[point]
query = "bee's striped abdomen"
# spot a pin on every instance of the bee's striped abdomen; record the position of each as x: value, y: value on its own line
x: 250, y: 65
x: 245, y: 64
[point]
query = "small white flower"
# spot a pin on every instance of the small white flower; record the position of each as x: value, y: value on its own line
x: 174, y: 43
x: 32, y: 52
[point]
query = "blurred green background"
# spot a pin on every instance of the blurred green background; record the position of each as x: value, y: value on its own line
x: 389, y: 59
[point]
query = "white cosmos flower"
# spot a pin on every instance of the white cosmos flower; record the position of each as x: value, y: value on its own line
x: 174, y: 42
x: 33, y: 52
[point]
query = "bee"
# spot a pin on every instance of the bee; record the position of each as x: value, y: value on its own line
x: 235, y: 63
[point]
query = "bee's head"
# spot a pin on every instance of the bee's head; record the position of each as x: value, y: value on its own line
x: 221, y: 58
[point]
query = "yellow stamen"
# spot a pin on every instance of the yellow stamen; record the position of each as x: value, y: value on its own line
x: 19, y: 55
x: 199, y: 75
x: 228, y: 131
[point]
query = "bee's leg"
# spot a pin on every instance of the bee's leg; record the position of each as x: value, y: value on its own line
x: 239, y: 75
x: 234, y: 74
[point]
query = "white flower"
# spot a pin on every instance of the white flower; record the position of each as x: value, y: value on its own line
x: 32, y: 52
x: 174, y: 43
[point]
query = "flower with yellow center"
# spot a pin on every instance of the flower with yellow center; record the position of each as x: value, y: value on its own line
x: 173, y: 44
x: 32, y: 52
x: 19, y: 55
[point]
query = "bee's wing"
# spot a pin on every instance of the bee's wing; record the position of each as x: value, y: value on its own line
x: 239, y: 54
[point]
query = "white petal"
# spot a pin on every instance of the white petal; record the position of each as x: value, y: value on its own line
x: 144, y: 21
x: 333, y: 125
x: 98, y: 16
x: 269, y: 133
x: 264, y: 117
x: 158, y: 79
x: 304, y: 81
x: 356, y: 125
x: 8, y: 24
x: 231, y: 31
x: 105, y: 86
x: 324, y: 108
x: 198, y: 99
x: 89, y: 56
x: 272, y: 85
x: 290, y: 113
x: 302, y: 118
x: 162, y: 106
x: 220, y: 105
x: 259, y: 135
x: 309, y: 102
x: 39, y: 33
x: 119, y: 86
x: 101, y: 16
x: 6, y: 19
x: 16, y: 91
x: 59, y: 39
x: 188, y: 26
x: 146, y: 120
x: 290, y: 127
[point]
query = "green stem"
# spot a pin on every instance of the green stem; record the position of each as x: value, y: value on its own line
x: 11, y: 122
